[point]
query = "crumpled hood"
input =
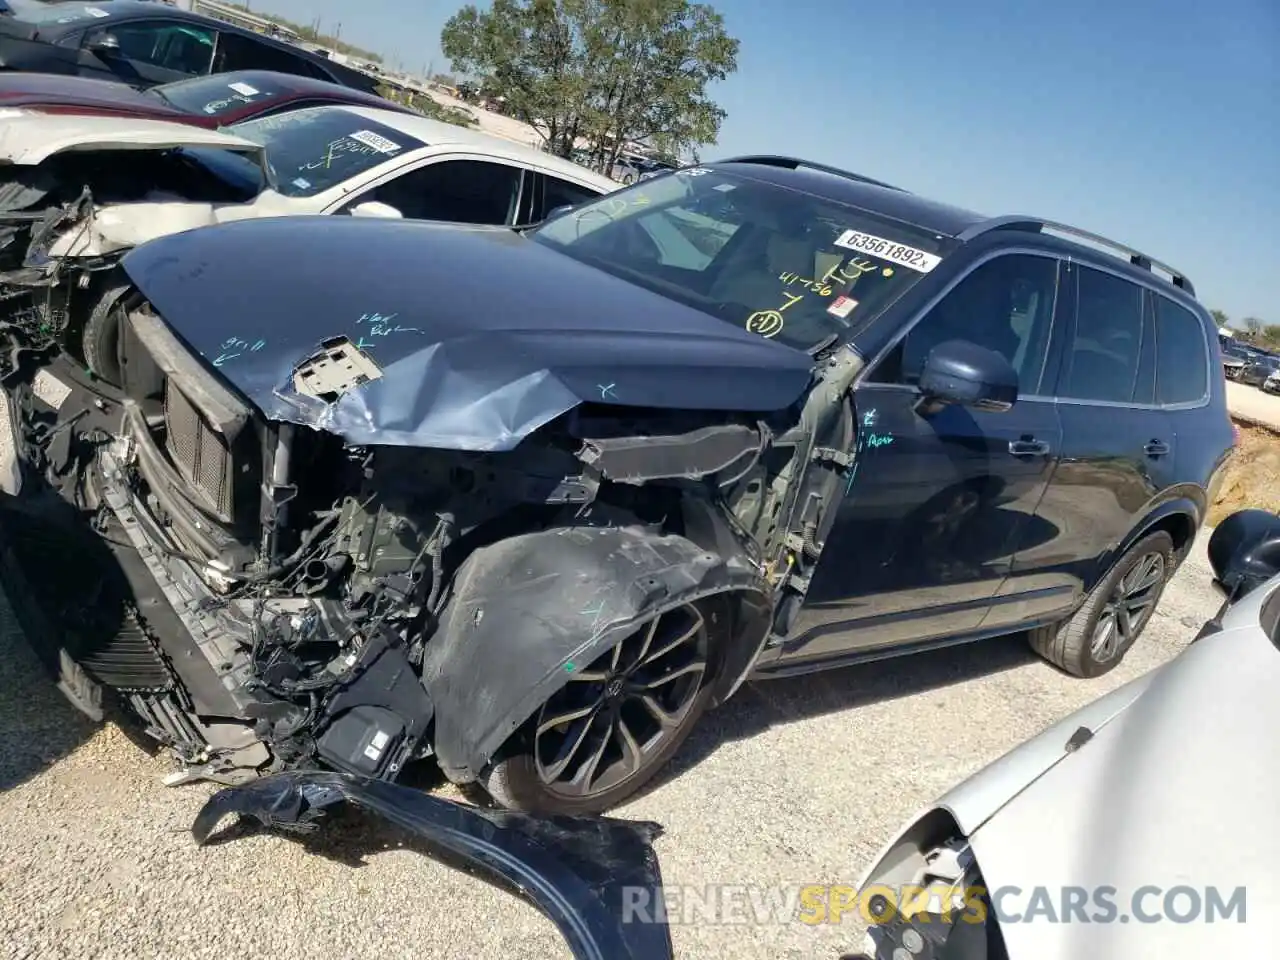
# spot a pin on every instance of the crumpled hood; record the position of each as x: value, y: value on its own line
x: 1179, y: 789
x: 32, y: 137
x: 480, y: 335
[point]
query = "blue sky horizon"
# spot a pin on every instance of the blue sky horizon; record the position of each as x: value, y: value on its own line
x: 1155, y: 124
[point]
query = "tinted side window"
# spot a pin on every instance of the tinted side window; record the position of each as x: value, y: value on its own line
x: 559, y: 193
x: 459, y: 191
x: 1005, y: 305
x: 1101, y: 362
x: 1182, y: 370
x: 181, y: 47
x: 241, y: 53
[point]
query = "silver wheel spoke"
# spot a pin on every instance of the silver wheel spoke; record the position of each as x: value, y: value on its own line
x: 631, y: 750
x: 588, y: 771
x: 685, y: 637
x: 698, y: 666
x: 648, y: 640
x: 561, y: 719
x: 589, y: 676
x: 569, y: 748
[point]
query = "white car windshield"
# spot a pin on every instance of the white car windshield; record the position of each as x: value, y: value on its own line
x: 778, y: 262
x: 309, y: 151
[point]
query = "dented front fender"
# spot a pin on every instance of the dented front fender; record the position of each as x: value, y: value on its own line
x: 527, y: 611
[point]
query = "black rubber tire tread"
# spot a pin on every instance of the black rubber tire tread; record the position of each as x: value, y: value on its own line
x: 1067, y: 645
x: 100, y: 336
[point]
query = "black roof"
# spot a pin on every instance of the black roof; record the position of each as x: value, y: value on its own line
x: 886, y: 200
x: 856, y: 191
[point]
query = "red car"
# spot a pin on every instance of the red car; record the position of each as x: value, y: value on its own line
x: 210, y: 101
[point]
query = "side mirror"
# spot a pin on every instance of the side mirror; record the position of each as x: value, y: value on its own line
x: 964, y: 373
x: 372, y: 208
x: 558, y: 211
x: 1244, y: 551
x: 104, y: 44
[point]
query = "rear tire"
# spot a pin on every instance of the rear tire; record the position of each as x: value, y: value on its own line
x: 1096, y: 638
x: 611, y: 743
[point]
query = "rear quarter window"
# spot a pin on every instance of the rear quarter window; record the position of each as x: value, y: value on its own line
x: 1182, y: 357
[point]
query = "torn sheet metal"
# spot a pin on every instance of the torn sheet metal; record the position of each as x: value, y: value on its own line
x: 479, y: 336
x: 585, y: 875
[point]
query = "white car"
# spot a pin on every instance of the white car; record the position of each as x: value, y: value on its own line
x: 1141, y: 826
x: 76, y: 192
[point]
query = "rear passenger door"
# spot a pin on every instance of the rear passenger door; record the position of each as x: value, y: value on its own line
x: 238, y: 52
x: 1117, y: 444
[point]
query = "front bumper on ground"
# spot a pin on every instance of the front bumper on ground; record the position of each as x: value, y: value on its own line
x: 585, y: 874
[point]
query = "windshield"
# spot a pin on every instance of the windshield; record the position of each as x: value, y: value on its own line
x: 309, y: 151
x: 780, y: 263
x: 214, y: 95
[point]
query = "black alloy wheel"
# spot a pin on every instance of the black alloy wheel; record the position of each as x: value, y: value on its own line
x: 603, y: 735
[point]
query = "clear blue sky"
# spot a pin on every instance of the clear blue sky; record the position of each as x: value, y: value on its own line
x: 1157, y: 124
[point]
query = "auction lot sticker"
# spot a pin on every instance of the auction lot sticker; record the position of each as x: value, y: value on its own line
x: 890, y: 250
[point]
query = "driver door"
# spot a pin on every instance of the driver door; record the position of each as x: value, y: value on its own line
x: 147, y: 53
x: 940, y: 503
x: 454, y: 191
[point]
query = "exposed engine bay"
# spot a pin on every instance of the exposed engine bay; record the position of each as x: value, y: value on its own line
x: 265, y: 595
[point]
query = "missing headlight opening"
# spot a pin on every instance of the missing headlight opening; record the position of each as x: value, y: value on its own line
x: 272, y: 594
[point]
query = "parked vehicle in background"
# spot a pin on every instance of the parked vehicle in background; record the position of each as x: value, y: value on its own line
x: 632, y: 167
x: 1133, y: 822
x: 209, y: 101
x: 554, y: 492
x: 144, y: 44
x: 1233, y: 360
x: 1258, y: 369
x: 81, y: 190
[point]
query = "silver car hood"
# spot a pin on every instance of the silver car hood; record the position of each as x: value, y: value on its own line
x: 1178, y: 789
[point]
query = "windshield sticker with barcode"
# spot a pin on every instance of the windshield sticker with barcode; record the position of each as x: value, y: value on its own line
x: 371, y: 139
x: 890, y: 250
x: 244, y: 89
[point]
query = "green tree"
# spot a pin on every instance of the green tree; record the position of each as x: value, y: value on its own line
x: 606, y: 71
x: 1220, y: 318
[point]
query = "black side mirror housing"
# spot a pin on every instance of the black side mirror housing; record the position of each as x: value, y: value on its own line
x: 963, y: 373
x: 1244, y: 551
x: 105, y: 44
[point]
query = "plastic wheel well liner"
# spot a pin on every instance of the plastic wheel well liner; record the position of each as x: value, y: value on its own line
x: 529, y: 610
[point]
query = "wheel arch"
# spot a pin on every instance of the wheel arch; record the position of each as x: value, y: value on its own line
x: 1180, y: 517
x: 525, y: 611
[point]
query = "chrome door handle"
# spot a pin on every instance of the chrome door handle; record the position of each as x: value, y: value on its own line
x: 1028, y: 448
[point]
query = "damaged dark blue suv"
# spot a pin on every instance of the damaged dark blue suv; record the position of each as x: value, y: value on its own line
x: 529, y: 502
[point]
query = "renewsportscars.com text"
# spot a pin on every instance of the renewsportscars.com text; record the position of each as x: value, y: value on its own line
x: 815, y: 904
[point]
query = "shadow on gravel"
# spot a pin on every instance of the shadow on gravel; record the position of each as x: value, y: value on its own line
x: 37, y: 725
x: 763, y: 704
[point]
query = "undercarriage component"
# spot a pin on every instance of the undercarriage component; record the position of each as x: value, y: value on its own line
x: 587, y: 876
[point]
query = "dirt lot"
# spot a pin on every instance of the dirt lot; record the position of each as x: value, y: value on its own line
x: 1253, y: 479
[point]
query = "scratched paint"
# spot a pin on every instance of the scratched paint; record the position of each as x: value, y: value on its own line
x: 607, y: 391
x: 234, y: 347
x: 376, y: 325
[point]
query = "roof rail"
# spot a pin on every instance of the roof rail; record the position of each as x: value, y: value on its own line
x: 1037, y: 225
x: 792, y: 163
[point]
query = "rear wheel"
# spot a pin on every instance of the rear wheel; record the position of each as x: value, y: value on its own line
x: 1096, y: 638
x: 602, y: 736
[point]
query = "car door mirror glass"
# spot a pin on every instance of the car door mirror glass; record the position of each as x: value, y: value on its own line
x: 107, y: 44
x: 373, y: 208
x: 960, y: 372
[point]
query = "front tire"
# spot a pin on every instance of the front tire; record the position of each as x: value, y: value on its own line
x: 1096, y: 638
x: 614, y: 725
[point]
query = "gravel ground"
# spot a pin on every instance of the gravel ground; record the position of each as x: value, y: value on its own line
x: 793, y: 782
